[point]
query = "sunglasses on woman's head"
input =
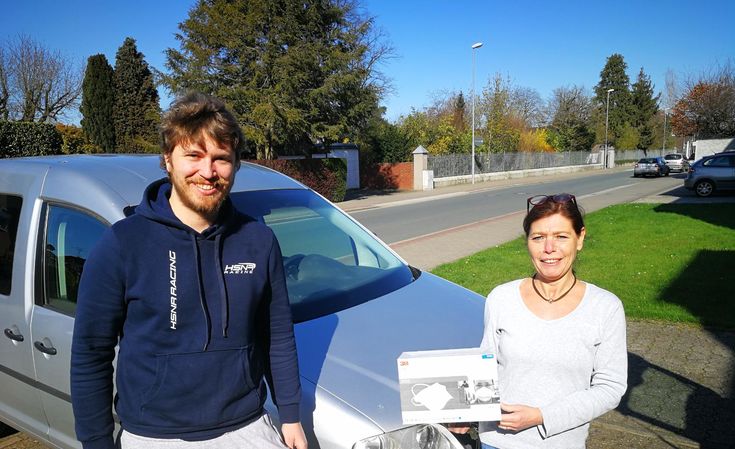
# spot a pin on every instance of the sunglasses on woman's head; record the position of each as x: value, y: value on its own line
x: 541, y: 199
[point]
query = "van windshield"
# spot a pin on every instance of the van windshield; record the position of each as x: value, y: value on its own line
x: 330, y: 262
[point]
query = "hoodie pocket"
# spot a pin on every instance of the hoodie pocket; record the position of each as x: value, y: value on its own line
x: 201, y: 390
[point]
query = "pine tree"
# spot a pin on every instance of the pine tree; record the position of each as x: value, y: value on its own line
x: 645, y: 106
x: 136, y: 111
x: 97, y: 102
x: 613, y: 76
x: 294, y: 72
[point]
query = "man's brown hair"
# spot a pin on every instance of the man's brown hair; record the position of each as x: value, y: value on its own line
x: 196, y: 115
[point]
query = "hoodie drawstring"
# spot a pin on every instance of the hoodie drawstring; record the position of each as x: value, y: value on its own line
x: 224, y: 299
x: 201, y: 290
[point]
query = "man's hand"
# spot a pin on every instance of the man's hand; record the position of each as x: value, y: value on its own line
x: 293, y: 435
x: 519, y: 417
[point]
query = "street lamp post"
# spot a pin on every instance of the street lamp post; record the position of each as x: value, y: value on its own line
x: 607, y: 113
x: 475, y: 46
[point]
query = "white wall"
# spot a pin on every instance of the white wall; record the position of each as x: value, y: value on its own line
x: 711, y: 146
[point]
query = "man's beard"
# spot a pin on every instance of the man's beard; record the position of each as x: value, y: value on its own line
x: 208, y: 206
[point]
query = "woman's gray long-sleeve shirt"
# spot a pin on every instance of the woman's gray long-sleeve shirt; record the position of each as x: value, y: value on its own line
x: 573, y: 368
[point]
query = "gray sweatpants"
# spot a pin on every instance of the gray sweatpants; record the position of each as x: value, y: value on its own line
x: 259, y: 434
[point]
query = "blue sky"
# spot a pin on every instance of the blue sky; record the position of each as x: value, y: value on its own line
x: 538, y: 44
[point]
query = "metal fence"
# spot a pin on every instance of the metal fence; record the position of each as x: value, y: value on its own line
x: 446, y: 165
x: 634, y: 155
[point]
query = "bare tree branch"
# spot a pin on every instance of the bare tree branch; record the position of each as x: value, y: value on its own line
x: 41, y: 84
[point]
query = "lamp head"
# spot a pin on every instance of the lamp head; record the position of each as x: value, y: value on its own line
x: 610, y: 90
x: 476, y: 45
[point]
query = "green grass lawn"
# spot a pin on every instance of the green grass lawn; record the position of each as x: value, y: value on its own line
x: 666, y: 262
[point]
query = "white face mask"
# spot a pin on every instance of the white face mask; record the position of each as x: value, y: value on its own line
x: 434, y: 396
x: 484, y: 393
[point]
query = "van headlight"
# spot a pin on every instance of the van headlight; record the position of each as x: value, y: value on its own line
x: 422, y: 436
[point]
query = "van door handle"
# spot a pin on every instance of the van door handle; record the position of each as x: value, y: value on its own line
x: 43, y: 348
x: 13, y: 336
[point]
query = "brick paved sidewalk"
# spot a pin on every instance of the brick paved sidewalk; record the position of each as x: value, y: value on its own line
x: 681, y: 391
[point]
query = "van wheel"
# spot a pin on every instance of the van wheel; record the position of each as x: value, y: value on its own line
x: 704, y: 188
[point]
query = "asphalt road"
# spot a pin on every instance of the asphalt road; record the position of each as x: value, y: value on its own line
x: 431, y: 215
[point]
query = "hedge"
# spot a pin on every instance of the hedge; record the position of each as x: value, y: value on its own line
x: 326, y: 176
x: 18, y: 139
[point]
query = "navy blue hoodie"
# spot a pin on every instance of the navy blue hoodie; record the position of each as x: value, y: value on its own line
x: 200, y: 318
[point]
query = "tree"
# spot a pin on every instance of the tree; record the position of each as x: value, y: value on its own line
x: 294, y: 72
x: 501, y: 132
x: 613, y: 76
x: 419, y: 129
x: 507, y: 112
x: 569, y: 110
x: 526, y: 105
x: 97, y: 103
x: 645, y: 106
x: 382, y: 141
x: 4, y: 87
x: 535, y: 140
x: 36, y: 84
x: 707, y: 109
x: 629, y: 138
x: 441, y: 128
x: 136, y: 111
x: 458, y: 119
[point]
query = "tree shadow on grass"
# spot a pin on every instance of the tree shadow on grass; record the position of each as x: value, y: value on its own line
x: 719, y: 214
x: 706, y: 289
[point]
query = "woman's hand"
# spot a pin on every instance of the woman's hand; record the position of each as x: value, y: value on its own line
x: 519, y: 417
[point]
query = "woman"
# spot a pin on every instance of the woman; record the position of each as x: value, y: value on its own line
x: 560, y: 342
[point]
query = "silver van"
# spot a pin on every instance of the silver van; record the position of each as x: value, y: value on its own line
x: 357, y: 305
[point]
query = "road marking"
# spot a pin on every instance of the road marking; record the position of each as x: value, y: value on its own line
x: 612, y: 189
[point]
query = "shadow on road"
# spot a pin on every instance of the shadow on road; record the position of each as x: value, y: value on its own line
x: 674, y: 403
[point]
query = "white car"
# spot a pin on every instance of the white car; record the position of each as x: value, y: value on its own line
x: 676, y: 162
x: 357, y: 305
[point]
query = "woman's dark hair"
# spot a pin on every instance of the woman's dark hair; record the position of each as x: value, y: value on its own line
x: 196, y: 115
x: 568, y: 209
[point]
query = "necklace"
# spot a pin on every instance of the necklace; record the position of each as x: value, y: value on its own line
x: 550, y: 300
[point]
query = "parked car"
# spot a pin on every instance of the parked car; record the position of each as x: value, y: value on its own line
x: 653, y: 166
x: 676, y: 162
x: 356, y: 304
x: 711, y: 173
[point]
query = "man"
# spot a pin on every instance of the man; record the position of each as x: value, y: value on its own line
x: 196, y: 337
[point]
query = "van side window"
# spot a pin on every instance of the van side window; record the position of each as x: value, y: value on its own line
x: 10, y: 206
x: 70, y: 235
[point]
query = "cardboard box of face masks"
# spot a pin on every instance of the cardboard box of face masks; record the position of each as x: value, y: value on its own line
x: 456, y: 385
